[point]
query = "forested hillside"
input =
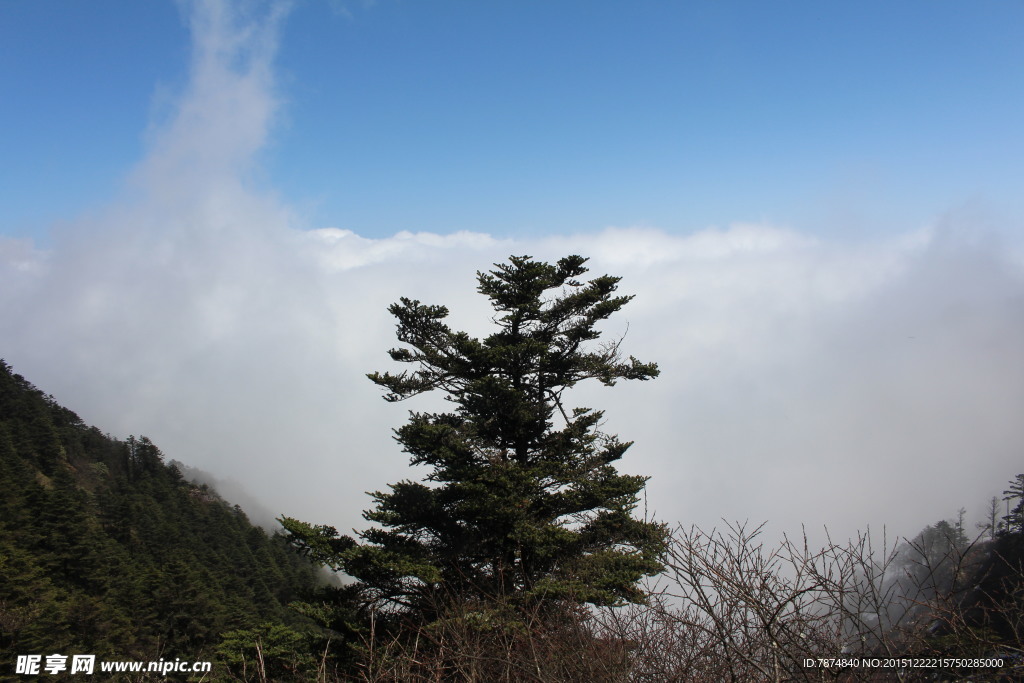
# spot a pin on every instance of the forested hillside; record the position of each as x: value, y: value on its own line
x: 105, y: 549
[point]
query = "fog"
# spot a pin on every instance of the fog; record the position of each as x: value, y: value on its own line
x: 804, y: 380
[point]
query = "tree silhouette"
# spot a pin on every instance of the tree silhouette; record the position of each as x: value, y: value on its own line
x: 522, y: 500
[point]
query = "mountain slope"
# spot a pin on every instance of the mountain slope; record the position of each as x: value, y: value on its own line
x: 107, y: 550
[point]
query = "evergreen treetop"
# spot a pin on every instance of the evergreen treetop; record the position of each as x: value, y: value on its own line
x: 522, y: 499
x: 1013, y: 521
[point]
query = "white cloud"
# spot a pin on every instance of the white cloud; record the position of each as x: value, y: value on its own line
x: 338, y: 249
x: 804, y: 380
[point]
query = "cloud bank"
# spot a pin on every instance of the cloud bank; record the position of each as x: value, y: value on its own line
x: 804, y: 381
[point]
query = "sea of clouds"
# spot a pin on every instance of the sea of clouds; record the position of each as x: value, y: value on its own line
x: 804, y: 380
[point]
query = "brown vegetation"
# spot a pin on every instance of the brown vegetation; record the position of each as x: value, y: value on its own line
x: 731, y: 608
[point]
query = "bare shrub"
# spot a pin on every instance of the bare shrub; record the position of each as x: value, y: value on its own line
x: 497, y: 641
x: 732, y: 608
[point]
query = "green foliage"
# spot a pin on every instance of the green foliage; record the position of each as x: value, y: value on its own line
x: 522, y: 498
x: 106, y: 550
x: 267, y: 652
x: 1014, y: 521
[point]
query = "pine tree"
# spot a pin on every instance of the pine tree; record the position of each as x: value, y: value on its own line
x: 522, y: 500
x: 1014, y: 519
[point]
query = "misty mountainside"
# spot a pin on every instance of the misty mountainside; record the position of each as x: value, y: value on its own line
x: 106, y: 549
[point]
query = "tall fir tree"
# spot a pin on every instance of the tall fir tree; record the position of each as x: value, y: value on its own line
x: 522, y: 500
x: 1014, y: 519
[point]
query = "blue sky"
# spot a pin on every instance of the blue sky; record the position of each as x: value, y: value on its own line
x: 539, y: 118
x: 207, y: 208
